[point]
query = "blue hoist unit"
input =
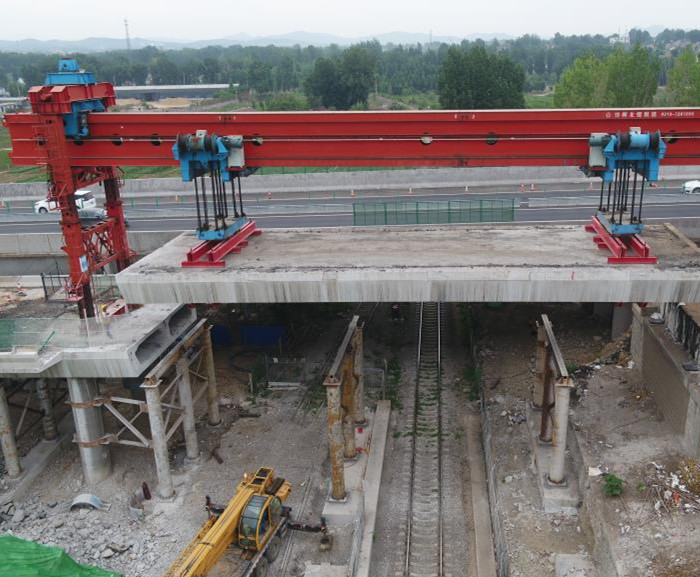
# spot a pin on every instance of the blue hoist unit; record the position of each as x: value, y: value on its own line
x: 625, y: 162
x: 69, y: 73
x: 220, y: 162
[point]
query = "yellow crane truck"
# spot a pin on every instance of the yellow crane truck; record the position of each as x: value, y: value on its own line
x: 254, y: 521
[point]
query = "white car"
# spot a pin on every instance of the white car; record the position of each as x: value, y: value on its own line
x: 83, y: 199
x: 691, y: 187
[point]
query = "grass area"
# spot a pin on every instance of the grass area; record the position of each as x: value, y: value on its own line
x: 536, y: 100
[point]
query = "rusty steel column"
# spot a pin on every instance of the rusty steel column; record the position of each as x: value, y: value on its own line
x: 335, y: 440
x: 359, y: 366
x: 188, y: 423
x: 561, y: 424
x: 547, y: 406
x: 7, y: 438
x: 48, y: 421
x: 159, y: 443
x: 89, y: 429
x: 540, y: 367
x: 212, y: 391
x: 347, y: 392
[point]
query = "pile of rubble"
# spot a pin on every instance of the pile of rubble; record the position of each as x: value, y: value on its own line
x: 91, y: 536
x: 674, y: 491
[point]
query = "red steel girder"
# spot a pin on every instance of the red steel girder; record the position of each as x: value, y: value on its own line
x: 58, y: 99
x: 425, y: 138
x: 211, y: 253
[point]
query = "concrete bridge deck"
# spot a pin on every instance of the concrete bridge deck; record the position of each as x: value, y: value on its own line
x: 463, y: 263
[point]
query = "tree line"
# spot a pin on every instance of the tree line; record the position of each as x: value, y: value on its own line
x: 588, y: 70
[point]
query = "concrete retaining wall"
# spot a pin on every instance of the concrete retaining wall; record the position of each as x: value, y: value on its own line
x: 675, y: 390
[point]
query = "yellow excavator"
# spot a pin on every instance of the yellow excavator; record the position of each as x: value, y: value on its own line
x: 254, y: 522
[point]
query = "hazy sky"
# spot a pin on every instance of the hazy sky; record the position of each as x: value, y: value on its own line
x: 173, y: 19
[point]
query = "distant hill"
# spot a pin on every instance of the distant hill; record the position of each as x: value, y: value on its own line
x: 290, y: 39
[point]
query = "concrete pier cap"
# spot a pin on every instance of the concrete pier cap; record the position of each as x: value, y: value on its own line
x: 449, y: 263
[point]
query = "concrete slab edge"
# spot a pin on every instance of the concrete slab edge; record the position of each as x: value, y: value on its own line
x: 592, y: 509
x: 483, y: 530
x: 372, y: 484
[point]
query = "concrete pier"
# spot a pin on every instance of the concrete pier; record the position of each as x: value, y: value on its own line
x: 459, y: 263
x: 188, y: 423
x: 158, y: 440
x: 7, y: 438
x: 89, y: 430
x: 48, y: 421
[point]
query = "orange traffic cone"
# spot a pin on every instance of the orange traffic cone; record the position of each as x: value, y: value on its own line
x: 532, y: 187
x: 177, y: 199
x: 352, y: 193
x: 410, y: 190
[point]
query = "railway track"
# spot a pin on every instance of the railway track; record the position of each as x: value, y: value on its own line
x: 424, y: 531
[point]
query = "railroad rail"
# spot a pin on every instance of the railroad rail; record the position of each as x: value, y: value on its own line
x: 424, y: 533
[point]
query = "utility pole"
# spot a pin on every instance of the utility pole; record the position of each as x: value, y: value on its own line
x: 128, y: 38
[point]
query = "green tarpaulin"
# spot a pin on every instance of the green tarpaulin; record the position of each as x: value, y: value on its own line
x: 20, y: 558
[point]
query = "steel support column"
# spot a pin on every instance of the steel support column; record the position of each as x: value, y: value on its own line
x: 561, y: 424
x: 359, y: 367
x: 188, y: 423
x: 89, y: 430
x: 347, y: 392
x: 48, y: 421
x: 212, y: 390
x: 7, y: 438
x: 158, y: 439
x: 335, y: 441
x: 540, y: 367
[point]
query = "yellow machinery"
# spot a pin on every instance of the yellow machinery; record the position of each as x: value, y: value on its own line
x: 254, y: 520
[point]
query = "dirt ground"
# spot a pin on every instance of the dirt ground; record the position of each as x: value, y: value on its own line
x: 619, y: 430
x: 281, y: 429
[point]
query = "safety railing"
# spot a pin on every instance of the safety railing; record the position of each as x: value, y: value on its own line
x: 434, y: 212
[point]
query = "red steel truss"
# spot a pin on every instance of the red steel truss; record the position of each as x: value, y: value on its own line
x: 433, y: 138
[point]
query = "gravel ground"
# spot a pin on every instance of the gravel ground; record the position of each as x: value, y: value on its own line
x: 388, y: 554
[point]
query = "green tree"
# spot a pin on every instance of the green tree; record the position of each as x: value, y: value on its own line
x: 476, y: 78
x: 632, y: 77
x: 323, y: 87
x: 684, y: 80
x: 164, y: 71
x: 582, y: 84
x: 624, y: 79
x: 357, y: 67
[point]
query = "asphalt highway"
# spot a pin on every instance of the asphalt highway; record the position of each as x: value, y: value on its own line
x: 551, y: 214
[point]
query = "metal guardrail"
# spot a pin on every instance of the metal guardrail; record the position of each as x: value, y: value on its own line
x: 434, y: 212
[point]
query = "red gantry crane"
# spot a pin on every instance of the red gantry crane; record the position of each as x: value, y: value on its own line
x: 71, y: 132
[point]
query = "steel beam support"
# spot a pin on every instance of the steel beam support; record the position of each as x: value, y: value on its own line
x: 89, y: 430
x: 43, y: 393
x: 540, y: 367
x: 212, y: 390
x: 347, y: 393
x: 185, y: 387
x: 561, y: 424
x: 159, y: 443
x: 7, y: 438
x: 335, y: 440
x: 359, y: 367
